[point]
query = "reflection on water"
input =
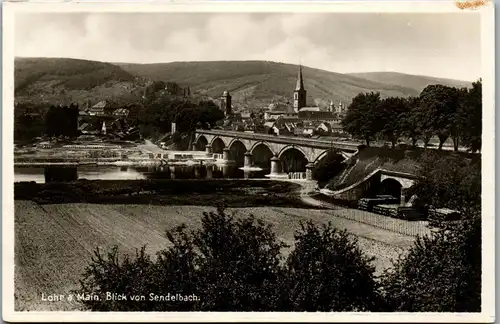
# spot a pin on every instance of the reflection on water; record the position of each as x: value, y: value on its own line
x: 63, y: 173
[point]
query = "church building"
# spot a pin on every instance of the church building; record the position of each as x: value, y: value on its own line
x: 299, y: 109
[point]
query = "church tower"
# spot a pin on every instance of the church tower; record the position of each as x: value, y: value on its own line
x: 225, y: 103
x: 299, y: 94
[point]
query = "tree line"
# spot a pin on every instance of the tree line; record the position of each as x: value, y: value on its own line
x: 159, y: 113
x: 154, y: 116
x: 439, y: 110
x: 237, y: 264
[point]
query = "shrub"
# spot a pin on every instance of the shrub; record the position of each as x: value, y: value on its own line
x: 328, y: 272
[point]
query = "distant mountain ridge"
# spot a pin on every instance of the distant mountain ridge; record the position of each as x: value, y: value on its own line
x: 251, y: 83
x: 417, y: 82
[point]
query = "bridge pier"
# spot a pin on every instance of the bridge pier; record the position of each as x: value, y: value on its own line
x: 309, y: 171
x: 226, y: 156
x: 275, y: 165
x: 208, y: 148
x: 276, y: 169
x: 226, y: 171
x: 193, y: 147
x: 248, y: 160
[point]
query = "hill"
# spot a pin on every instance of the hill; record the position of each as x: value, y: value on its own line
x: 256, y: 83
x: 416, y: 82
x: 252, y: 83
x: 61, y: 80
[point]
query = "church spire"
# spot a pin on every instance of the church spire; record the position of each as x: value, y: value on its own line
x: 300, y: 81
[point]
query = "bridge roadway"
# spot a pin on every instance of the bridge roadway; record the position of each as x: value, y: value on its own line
x: 286, y: 153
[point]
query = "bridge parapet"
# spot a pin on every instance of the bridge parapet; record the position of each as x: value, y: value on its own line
x: 307, y: 142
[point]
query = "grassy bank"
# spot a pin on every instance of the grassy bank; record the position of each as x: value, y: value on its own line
x: 232, y: 193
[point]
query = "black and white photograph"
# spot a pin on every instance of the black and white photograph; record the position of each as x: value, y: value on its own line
x: 299, y: 161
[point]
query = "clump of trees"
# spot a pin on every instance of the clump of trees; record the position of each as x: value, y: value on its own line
x: 28, y: 123
x: 442, y: 111
x: 159, y: 113
x: 62, y: 121
x: 452, y: 181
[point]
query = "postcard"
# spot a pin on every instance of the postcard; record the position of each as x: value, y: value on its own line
x: 248, y: 161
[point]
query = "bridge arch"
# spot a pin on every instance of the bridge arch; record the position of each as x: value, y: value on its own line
x: 264, y: 144
x: 237, y: 151
x: 391, y: 186
x: 325, y: 153
x: 293, y: 159
x: 292, y: 147
x: 262, y: 155
x: 217, y: 145
x: 201, y: 143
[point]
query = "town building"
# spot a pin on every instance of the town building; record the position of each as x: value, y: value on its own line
x: 299, y: 108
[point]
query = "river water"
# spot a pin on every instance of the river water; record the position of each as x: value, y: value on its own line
x: 43, y: 174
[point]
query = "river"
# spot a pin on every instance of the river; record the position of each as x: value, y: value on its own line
x: 43, y: 174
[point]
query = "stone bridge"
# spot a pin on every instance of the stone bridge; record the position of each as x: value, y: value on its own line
x: 280, y: 154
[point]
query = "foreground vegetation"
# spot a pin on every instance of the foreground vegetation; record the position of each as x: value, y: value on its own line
x: 54, y: 242
x: 325, y: 271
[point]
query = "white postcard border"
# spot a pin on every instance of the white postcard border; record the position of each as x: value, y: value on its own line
x: 488, y: 161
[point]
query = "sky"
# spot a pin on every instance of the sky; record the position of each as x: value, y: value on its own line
x: 446, y: 45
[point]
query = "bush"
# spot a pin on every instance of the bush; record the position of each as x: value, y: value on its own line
x: 236, y: 265
x: 328, y: 272
x: 441, y: 273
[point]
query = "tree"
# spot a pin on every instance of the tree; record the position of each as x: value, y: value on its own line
x: 360, y: 119
x: 390, y: 113
x: 439, y: 105
x: 472, y: 109
x: 409, y: 121
x: 441, y: 273
x: 327, y: 272
x: 452, y: 181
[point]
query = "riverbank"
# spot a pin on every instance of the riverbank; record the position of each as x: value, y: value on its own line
x: 228, y: 192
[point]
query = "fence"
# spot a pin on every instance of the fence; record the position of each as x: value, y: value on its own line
x: 411, y: 228
x: 296, y: 175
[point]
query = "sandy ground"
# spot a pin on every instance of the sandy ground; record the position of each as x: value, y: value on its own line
x: 54, y: 243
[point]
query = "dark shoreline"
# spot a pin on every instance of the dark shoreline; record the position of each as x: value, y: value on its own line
x: 228, y: 192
